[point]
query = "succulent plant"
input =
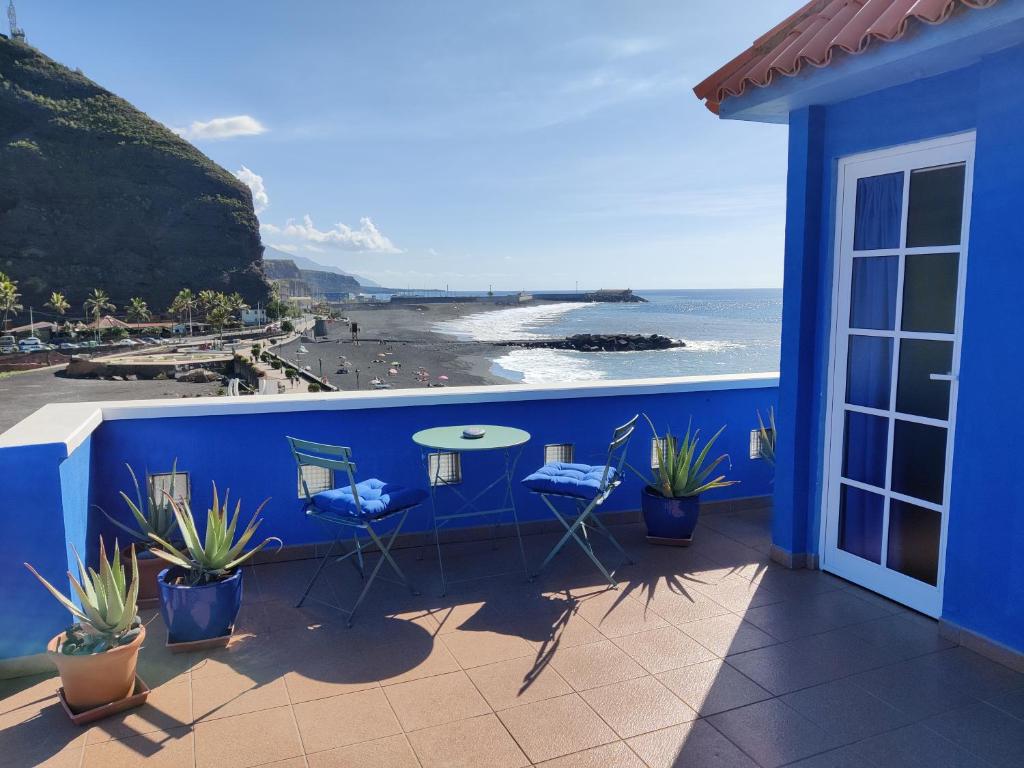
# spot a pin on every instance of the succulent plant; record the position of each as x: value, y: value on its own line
x: 681, y: 471
x: 767, y: 434
x: 216, y: 555
x: 158, y: 517
x: 109, y: 614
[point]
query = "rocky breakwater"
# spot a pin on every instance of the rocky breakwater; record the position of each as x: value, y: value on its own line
x: 602, y: 342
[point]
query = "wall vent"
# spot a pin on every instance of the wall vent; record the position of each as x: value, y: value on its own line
x: 444, y: 468
x: 559, y: 452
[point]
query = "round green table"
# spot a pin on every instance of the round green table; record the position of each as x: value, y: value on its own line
x: 437, y: 441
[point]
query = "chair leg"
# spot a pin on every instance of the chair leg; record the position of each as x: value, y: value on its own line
x: 316, y: 575
x: 386, y: 552
x: 611, y: 538
x: 584, y: 543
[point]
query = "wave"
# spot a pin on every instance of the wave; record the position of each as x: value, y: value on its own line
x: 503, y: 324
x: 710, y: 345
x: 545, y: 366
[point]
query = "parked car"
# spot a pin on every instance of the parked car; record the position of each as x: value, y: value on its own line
x: 67, y: 346
x: 8, y: 345
x: 31, y: 344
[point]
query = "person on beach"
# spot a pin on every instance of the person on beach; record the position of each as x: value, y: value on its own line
x: 354, y: 327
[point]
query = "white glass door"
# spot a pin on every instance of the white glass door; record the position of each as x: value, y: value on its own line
x: 901, y: 250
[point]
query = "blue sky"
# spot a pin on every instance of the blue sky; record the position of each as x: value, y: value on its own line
x: 527, y: 144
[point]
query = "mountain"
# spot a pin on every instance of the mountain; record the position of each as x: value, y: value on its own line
x: 95, y: 194
x: 273, y: 254
x: 307, y: 282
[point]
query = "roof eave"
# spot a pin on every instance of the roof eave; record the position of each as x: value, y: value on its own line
x: 926, y: 52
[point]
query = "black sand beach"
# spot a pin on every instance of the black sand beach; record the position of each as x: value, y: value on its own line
x: 400, y: 334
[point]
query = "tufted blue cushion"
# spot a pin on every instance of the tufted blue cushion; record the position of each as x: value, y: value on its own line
x: 377, y: 498
x: 580, y: 480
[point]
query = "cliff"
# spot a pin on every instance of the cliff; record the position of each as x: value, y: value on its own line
x: 95, y: 194
x: 308, y: 282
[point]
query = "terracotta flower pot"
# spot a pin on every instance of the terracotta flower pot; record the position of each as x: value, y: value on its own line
x: 98, y: 678
x: 149, y: 567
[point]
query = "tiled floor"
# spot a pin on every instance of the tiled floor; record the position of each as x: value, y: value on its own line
x: 707, y: 656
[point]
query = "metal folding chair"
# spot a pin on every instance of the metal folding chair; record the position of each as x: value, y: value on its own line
x: 363, y: 507
x: 588, y: 487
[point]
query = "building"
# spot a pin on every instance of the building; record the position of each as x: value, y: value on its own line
x: 252, y: 316
x: 898, y: 463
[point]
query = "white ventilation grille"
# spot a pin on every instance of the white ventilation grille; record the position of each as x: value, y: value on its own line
x: 657, y: 444
x: 444, y: 468
x: 160, y: 483
x: 317, y: 479
x: 758, y: 442
x: 559, y: 452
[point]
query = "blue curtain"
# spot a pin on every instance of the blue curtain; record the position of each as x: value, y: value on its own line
x: 873, y: 292
x: 869, y: 371
x: 879, y: 202
x: 860, y: 523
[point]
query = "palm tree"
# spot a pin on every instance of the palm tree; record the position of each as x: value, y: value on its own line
x: 183, y: 305
x: 138, y: 311
x: 208, y: 300
x: 9, y: 298
x: 96, y: 304
x: 58, y: 303
x: 236, y: 304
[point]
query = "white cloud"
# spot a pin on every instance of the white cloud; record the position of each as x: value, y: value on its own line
x: 223, y: 128
x: 340, y: 237
x: 286, y: 247
x: 260, y: 199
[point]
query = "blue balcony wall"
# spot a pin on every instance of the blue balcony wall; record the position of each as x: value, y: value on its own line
x: 249, y: 454
x: 44, y: 512
x: 984, y: 572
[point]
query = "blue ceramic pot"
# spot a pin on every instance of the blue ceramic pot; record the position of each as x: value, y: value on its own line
x: 669, y: 521
x: 201, y: 612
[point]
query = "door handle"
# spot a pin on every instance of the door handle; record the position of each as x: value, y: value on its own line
x: 942, y: 377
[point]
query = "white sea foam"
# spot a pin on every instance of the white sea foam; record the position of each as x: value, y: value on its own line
x: 544, y: 366
x: 710, y: 345
x: 504, y: 324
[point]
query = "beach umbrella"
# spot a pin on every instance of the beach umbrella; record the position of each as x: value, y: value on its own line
x: 392, y: 372
x: 442, y: 378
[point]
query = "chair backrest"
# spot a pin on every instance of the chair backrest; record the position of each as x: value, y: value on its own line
x: 617, y: 452
x: 336, y: 458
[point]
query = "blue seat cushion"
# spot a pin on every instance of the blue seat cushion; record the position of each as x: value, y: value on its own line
x: 377, y: 499
x: 579, y: 480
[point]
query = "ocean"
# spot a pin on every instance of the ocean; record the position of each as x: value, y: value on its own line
x: 726, y: 331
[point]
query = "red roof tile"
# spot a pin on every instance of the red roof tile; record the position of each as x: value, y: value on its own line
x: 815, y: 32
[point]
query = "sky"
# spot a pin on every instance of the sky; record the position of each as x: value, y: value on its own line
x: 520, y: 145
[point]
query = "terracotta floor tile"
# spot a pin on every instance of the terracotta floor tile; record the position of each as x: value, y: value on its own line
x: 638, y: 706
x: 614, y: 614
x: 614, y: 755
x: 228, y: 695
x: 247, y: 740
x: 155, y: 750
x: 404, y: 664
x: 590, y: 666
x: 556, y: 727
x: 479, y: 741
x: 435, y: 700
x: 713, y: 686
x: 167, y: 707
x: 727, y: 634
x: 694, y: 744
x: 33, y: 727
x: 390, y: 752
x: 518, y: 681
x: 343, y: 720
x: 474, y: 649
x: 662, y: 649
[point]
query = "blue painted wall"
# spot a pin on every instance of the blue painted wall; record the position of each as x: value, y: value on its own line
x: 43, y: 509
x: 984, y: 567
x: 249, y: 454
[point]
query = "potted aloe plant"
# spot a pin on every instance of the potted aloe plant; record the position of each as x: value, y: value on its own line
x: 767, y: 436
x: 201, y: 593
x: 97, y: 655
x: 671, y: 499
x: 154, y: 516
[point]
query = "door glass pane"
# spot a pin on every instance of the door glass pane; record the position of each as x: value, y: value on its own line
x: 914, y: 541
x: 935, y: 209
x: 873, y: 292
x: 879, y: 203
x: 869, y: 371
x: 916, y: 393
x: 865, y: 441
x: 929, y: 292
x: 919, y: 460
x: 860, y: 523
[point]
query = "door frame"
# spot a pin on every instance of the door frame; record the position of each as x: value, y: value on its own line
x: 927, y: 599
